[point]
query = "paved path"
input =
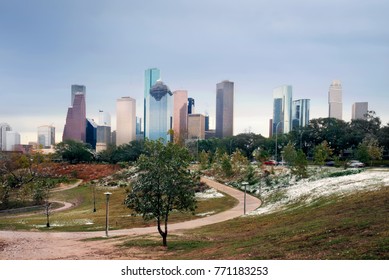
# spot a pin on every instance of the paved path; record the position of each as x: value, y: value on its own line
x: 67, y: 245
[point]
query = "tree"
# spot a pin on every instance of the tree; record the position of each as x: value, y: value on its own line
x: 204, y: 160
x: 164, y: 184
x: 290, y: 153
x: 369, y: 150
x: 74, y: 152
x: 322, y: 152
x: 239, y: 163
x: 299, y: 168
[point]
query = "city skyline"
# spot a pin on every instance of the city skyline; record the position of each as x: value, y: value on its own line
x: 258, y: 45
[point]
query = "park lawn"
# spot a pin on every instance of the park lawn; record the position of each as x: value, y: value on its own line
x: 82, y: 217
x: 350, y: 227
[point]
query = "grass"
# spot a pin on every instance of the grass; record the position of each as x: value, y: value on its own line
x: 82, y: 217
x: 351, y: 227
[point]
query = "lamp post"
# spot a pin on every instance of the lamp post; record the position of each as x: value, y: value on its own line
x: 277, y: 139
x: 244, y: 207
x: 94, y: 198
x: 107, y: 194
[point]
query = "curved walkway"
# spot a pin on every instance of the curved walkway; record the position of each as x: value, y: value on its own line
x: 67, y: 245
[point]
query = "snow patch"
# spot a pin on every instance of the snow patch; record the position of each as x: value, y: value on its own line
x: 209, y: 193
x: 307, y: 191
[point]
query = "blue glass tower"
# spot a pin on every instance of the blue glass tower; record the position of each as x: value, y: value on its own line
x: 152, y: 75
x: 159, y: 112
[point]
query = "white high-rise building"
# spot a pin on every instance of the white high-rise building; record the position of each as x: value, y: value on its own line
x: 335, y: 100
x: 12, y: 138
x: 125, y: 120
x: 360, y: 110
x: 4, y: 127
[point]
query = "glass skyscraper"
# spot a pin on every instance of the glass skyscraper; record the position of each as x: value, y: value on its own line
x: 282, y: 109
x: 152, y: 75
x: 300, y: 113
x: 46, y: 136
x: 159, y: 112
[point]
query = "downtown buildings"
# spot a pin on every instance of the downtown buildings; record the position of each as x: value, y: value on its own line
x: 288, y: 114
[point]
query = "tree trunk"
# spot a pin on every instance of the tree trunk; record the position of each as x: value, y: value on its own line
x: 161, y: 232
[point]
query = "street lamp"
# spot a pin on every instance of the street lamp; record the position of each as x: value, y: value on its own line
x: 277, y: 138
x: 244, y: 207
x: 107, y: 194
x: 94, y: 198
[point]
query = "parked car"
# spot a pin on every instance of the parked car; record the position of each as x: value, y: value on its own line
x: 330, y: 163
x: 355, y: 163
x: 270, y: 162
x: 282, y: 163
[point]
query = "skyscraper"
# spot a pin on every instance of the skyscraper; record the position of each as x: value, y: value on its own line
x: 103, y: 131
x: 282, y: 109
x: 46, y: 136
x: 77, y: 89
x: 180, y: 114
x: 196, y: 126
x: 91, y: 133
x: 360, y: 110
x: 335, y: 100
x: 12, y: 140
x: 152, y: 75
x: 159, y: 116
x: 300, y: 113
x: 75, y: 125
x: 224, y: 109
x: 125, y: 120
x: 191, y: 105
x: 4, y: 127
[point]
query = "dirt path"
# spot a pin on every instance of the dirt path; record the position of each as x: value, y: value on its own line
x: 69, y: 245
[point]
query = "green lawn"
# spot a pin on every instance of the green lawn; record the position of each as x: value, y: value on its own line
x: 352, y: 227
x: 82, y: 217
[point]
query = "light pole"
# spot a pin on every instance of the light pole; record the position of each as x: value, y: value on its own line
x: 107, y: 194
x: 277, y: 138
x: 94, y: 198
x: 244, y: 207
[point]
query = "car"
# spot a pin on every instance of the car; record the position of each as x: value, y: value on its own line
x: 330, y: 163
x: 282, y: 163
x: 355, y: 163
x: 270, y: 162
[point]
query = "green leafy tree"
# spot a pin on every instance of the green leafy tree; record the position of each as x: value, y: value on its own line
x: 322, y: 152
x: 300, y: 164
x: 74, y: 152
x: 226, y: 165
x: 369, y: 150
x: 204, y: 160
x: 164, y: 184
x: 290, y: 153
x: 239, y: 163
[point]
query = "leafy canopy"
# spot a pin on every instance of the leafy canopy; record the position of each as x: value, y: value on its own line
x: 164, y: 184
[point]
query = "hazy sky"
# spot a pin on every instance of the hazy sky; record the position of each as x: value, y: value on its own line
x: 46, y: 46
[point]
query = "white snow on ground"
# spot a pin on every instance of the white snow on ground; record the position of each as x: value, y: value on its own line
x: 209, y: 193
x: 311, y: 190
